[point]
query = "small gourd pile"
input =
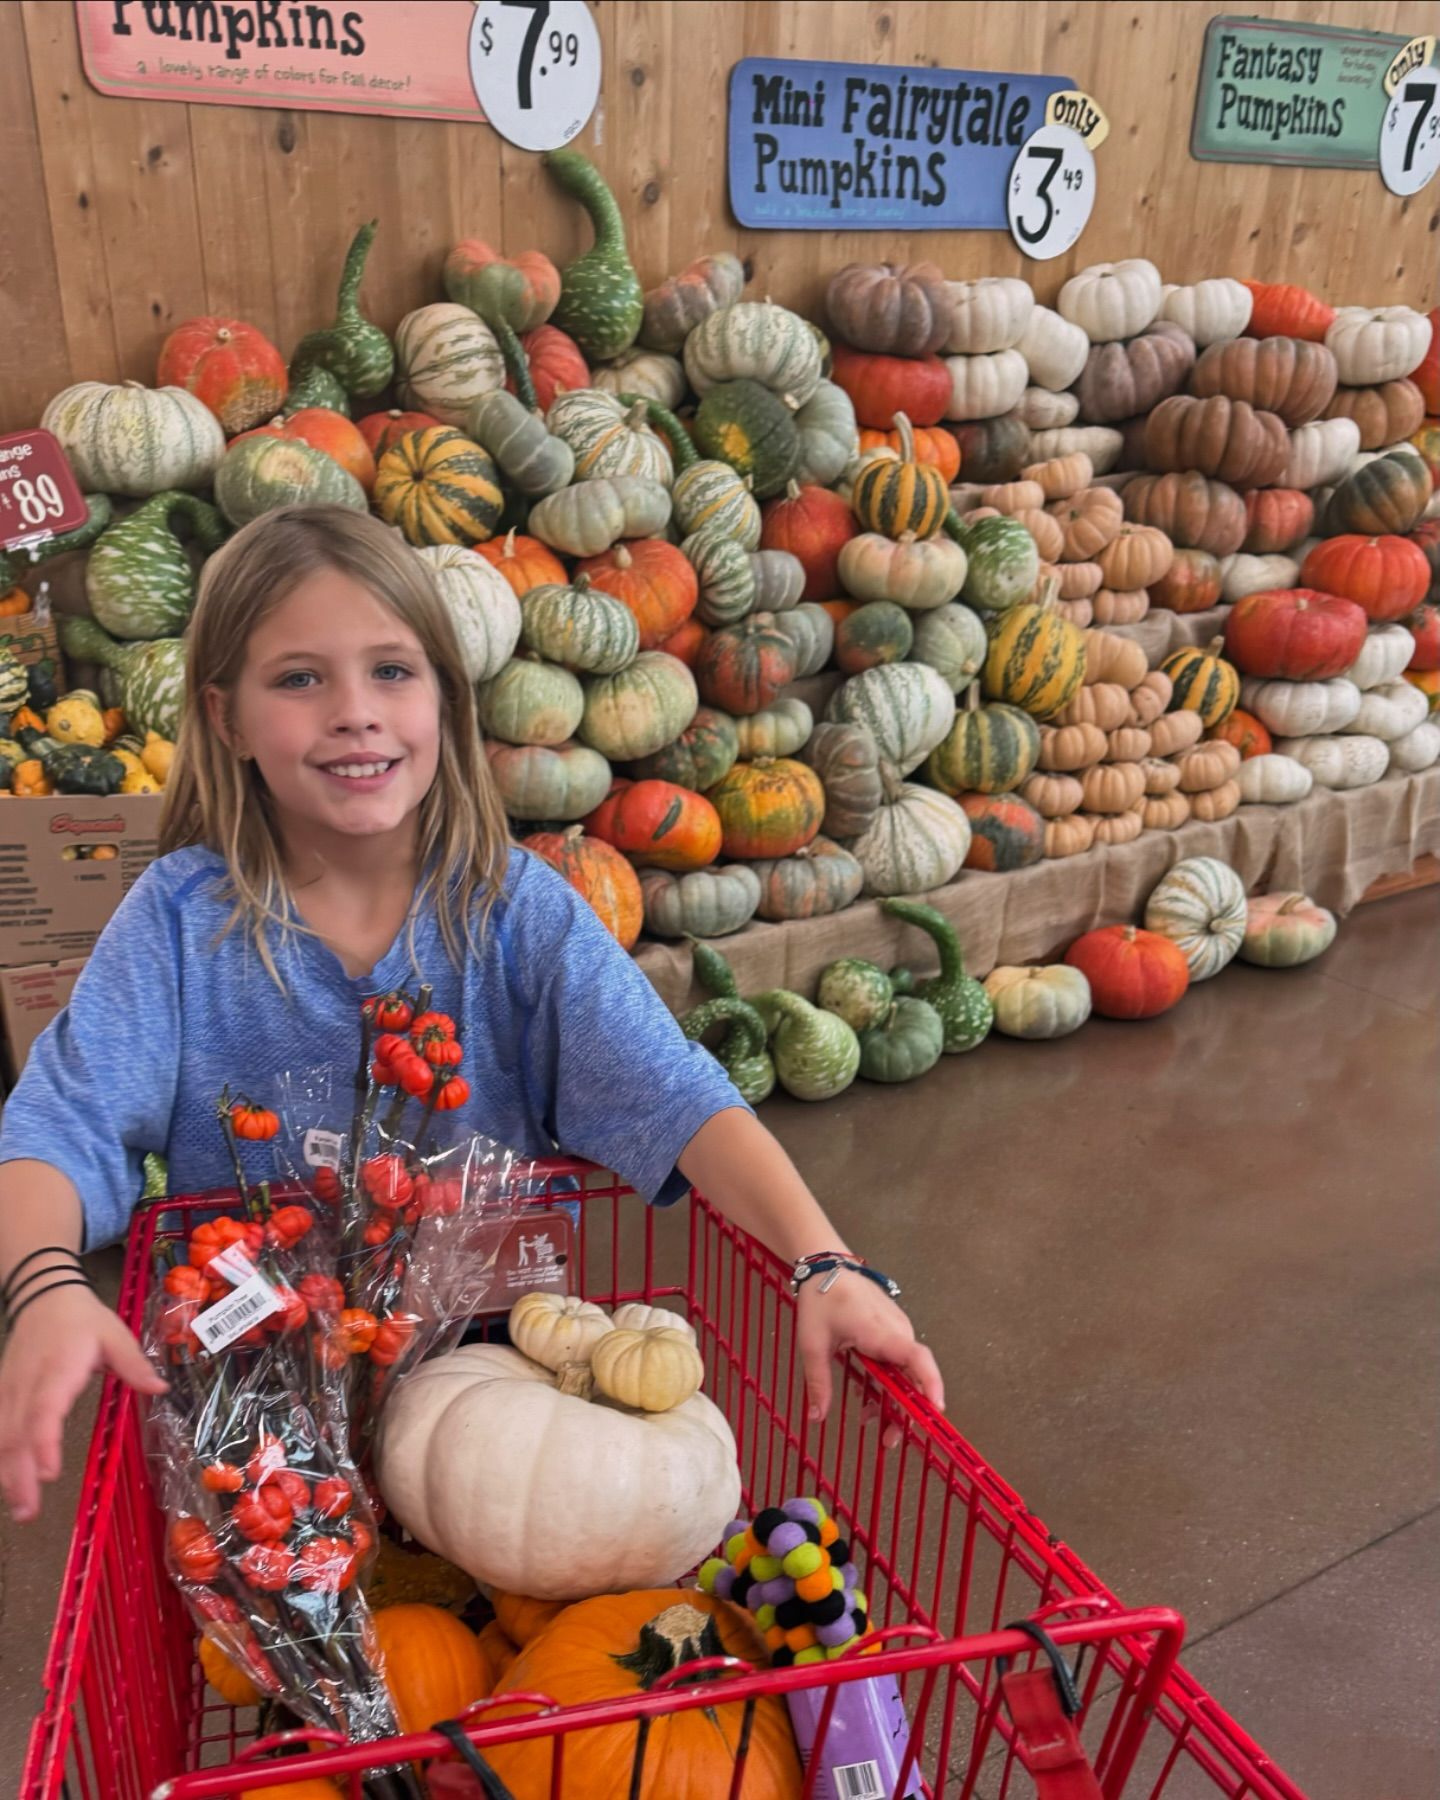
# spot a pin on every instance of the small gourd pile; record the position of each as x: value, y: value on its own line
x: 792, y: 1569
x: 54, y: 743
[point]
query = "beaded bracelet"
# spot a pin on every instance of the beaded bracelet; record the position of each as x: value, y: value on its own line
x: 832, y: 1264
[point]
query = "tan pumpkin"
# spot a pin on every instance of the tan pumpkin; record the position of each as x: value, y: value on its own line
x: 1090, y: 520
x: 1194, y: 512
x: 1173, y: 733
x: 1228, y: 439
x: 1165, y: 812
x: 1062, y: 476
x: 1288, y: 376
x: 1071, y: 836
x: 1216, y: 804
x: 653, y: 1370
x: 1047, y: 531
x: 1161, y: 777
x: 1118, y: 828
x: 1122, y: 380
x: 1078, y: 580
x: 1104, y: 703
x: 1128, y: 744
x: 1109, y: 657
x: 916, y: 573
x: 1135, y: 557
x: 1120, y: 606
x: 1150, y: 697
x: 1067, y: 747
x: 1383, y: 415
x: 1012, y: 496
x: 1112, y: 787
x: 1054, y: 796
x: 1079, y: 613
x: 1206, y: 766
x: 556, y: 1329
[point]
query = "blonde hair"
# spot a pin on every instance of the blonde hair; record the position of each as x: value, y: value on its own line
x: 216, y: 799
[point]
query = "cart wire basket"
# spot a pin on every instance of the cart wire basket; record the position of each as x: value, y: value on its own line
x: 949, y: 1553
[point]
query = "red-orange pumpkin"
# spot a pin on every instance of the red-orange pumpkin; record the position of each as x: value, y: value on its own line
x: 880, y: 386
x: 814, y: 525
x: 1191, y: 584
x: 1295, y: 634
x: 1427, y: 536
x: 653, y: 579
x: 382, y: 429
x: 1245, y: 732
x: 659, y: 825
x: 1006, y: 832
x: 600, y: 823
x: 933, y: 444
x: 742, y: 668
x: 1388, y: 576
x: 1276, y: 518
x: 600, y: 874
x: 840, y: 610
x: 229, y: 365
x: 524, y: 562
x: 322, y: 428
x: 684, y: 642
x: 1133, y: 974
x: 1425, y: 629
x: 1426, y: 373
x: 769, y: 807
x: 1279, y: 309
x: 555, y: 362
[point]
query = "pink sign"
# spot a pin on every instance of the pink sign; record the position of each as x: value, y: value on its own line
x: 380, y: 56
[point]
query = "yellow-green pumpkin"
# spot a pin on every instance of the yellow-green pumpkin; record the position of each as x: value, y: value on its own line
x: 988, y: 749
x: 1035, y: 660
x: 768, y: 808
x: 893, y: 495
x: 1203, y: 682
x: 439, y: 488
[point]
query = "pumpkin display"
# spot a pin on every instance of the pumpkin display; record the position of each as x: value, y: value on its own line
x: 680, y: 303
x: 847, y: 760
x: 1006, y: 832
x: 1281, y: 309
x: 758, y: 341
x: 555, y: 782
x: 1291, y: 377
x: 608, y: 884
x: 1340, y: 763
x: 523, y: 561
x: 1194, y: 513
x: 639, y: 710
x: 900, y: 309
x: 1124, y: 378
x: 1270, y: 780
x: 260, y: 473
x: 1191, y: 584
x: 918, y: 573
x: 987, y: 749
x: 130, y: 439
x: 1133, y: 974
x: 989, y: 314
x: 917, y: 841
x: 822, y: 877
x: 1135, y: 557
x: 445, y: 359
x: 1038, y: 1003
x: 703, y: 753
x: 984, y: 387
x: 1200, y: 906
x: 439, y: 488
x: 1291, y: 709
x: 1035, y: 660
x: 1384, y: 497
x: 432, y: 1663
x: 932, y: 444
x: 659, y: 825
x: 1211, y: 311
x: 1090, y: 521
x: 1227, y: 439
x: 555, y: 361
x: 705, y: 903
x: 1203, y: 682
x: 645, y: 374
x: 811, y: 633
x: 1387, y: 577
x: 742, y: 667
x: 1070, y: 836
x: 814, y: 526
x: 609, y: 436
x: 522, y: 290
x: 229, y: 365
x: 1296, y: 633
x: 1382, y: 415
x: 880, y: 386
x: 652, y: 579
x: 768, y: 808
x: 1284, y: 930
x: 709, y: 495
x: 1320, y: 453
x: 991, y: 449
x: 743, y: 424
x: 482, y: 607
x: 324, y: 429
x: 1377, y: 343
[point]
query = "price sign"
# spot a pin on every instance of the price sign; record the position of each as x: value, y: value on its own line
x: 1051, y: 191
x: 535, y: 68
x: 1410, y: 129
x: 39, y: 496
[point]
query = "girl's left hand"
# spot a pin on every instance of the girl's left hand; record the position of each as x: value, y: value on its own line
x: 858, y: 1315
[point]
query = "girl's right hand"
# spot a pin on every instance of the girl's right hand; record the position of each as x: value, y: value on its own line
x: 55, y: 1347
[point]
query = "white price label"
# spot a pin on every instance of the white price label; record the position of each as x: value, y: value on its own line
x: 1410, y: 133
x: 321, y: 1148
x: 535, y: 68
x: 232, y: 1263
x: 243, y: 1307
x: 1051, y: 192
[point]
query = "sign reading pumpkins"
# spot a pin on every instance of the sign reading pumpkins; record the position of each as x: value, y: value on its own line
x: 828, y: 146
x: 1275, y: 92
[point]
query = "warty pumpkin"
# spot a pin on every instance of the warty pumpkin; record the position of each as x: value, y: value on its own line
x: 603, y: 878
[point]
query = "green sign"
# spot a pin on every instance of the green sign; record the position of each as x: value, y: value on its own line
x: 1273, y: 92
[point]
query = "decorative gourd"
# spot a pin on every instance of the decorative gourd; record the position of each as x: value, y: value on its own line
x: 322, y: 428
x: 1062, y: 477
x: 531, y: 702
x: 919, y: 573
x: 1211, y: 311
x: 987, y: 315
x: 1119, y: 606
x: 1207, y: 765
x: 814, y: 526
x: 316, y: 386
x: 679, y: 304
x: 1390, y: 711
x: 355, y: 353
x: 150, y: 676
x: 906, y: 707
x: 847, y: 760
x: 608, y: 437
x: 483, y: 609
x: 918, y: 840
x: 1386, y: 653
x: 1292, y: 709
x: 1418, y: 749
x: 611, y: 888
x: 1006, y: 832
x: 530, y: 457
x: 1377, y: 343
x: 1288, y: 376
x: 1296, y: 633
x: 1070, y: 836
x: 1133, y: 974
x: 1320, y: 453
x: 229, y: 365
x: 1129, y: 743
x: 524, y: 562
x: 587, y: 519
x: 437, y: 486
x: 1038, y: 1003
x: 1245, y: 732
x: 755, y: 340
x: 1193, y: 512
x: 1225, y: 438
x: 880, y: 386
x: 554, y: 362
x: 138, y: 579
x: 985, y: 387
x: 933, y: 444
x: 1203, y: 682
x: 707, y: 903
x: 1200, y: 907
x: 1112, y: 787
x: 856, y: 991
x: 1192, y: 583
x: 811, y: 633
x: 1339, y: 762
x: 259, y: 474
x: 874, y: 634
x: 987, y: 749
x: 1280, y: 309
x: 902, y: 495
x: 1387, y: 577
x: 446, y: 358
x: 1068, y: 747
x: 951, y: 640
x: 538, y: 781
x: 710, y: 496
x: 822, y: 877
x: 780, y: 730
x: 1276, y: 518
x: 1285, y: 930
x: 1269, y: 780
x: 992, y: 449
x: 522, y: 290
x: 639, y: 710
x: 135, y: 440
x: 1054, y: 796
x: 581, y: 628
x: 900, y: 309
x: 965, y: 1009
x: 600, y: 305
x: 768, y: 808
x: 905, y: 1044
x: 743, y: 424
x: 1002, y: 563
x: 1387, y: 495
x: 1123, y: 379
x: 1382, y: 415
x: 1035, y: 660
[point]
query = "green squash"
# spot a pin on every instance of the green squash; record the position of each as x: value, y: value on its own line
x: 907, y: 1042
x: 589, y: 517
x: 964, y: 1007
x: 357, y: 353
x: 601, y: 301
x: 755, y: 340
x: 99, y: 513
x: 138, y: 579
x: 315, y: 386
x: 743, y: 424
x: 816, y: 1054
x: 540, y: 782
x: 608, y: 437
x: 987, y: 750
x: 84, y: 769
x: 580, y: 628
x: 259, y: 474
x: 528, y: 454
x: 743, y: 1055
x: 149, y: 677
x: 531, y: 702
x: 856, y: 991
x: 829, y: 437
x: 703, y: 754
x: 1002, y: 563
x: 700, y: 903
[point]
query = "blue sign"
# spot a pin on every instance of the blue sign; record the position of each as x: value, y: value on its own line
x: 828, y: 146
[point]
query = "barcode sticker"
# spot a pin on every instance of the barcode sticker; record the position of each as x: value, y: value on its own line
x: 221, y: 1323
x: 322, y: 1148
x: 232, y: 1263
x: 858, y: 1781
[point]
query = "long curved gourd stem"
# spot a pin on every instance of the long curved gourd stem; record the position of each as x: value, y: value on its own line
x: 662, y: 421
x: 579, y: 176
x: 936, y: 927
x: 517, y: 363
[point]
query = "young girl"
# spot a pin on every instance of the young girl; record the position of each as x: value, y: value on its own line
x: 331, y: 830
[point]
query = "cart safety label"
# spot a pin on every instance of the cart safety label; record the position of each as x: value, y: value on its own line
x: 245, y: 1306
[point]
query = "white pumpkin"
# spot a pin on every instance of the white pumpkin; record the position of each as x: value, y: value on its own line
x: 635, y: 1315
x: 1099, y: 442
x: 1211, y: 311
x: 1054, y: 350
x: 135, y: 440
x: 983, y: 387
x: 1391, y: 710
x: 1109, y: 301
x: 988, y: 314
x: 1417, y: 750
x: 1041, y: 1003
x: 917, y: 841
x: 1339, y: 762
x: 1041, y: 410
x: 1320, y: 453
x: 1372, y: 344
x: 648, y: 373
x: 556, y: 1329
x: 906, y: 707
x: 1200, y: 907
x: 483, y: 607
x: 916, y: 573
x: 1241, y: 574
x: 471, y: 1442
x: 1301, y: 708
x: 1273, y: 781
x: 829, y: 436
x: 755, y: 340
x: 446, y: 357
x: 1385, y: 654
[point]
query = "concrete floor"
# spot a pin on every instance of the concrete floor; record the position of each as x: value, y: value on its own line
x: 1182, y: 1278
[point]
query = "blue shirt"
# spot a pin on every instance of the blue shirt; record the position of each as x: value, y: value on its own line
x: 566, y: 1043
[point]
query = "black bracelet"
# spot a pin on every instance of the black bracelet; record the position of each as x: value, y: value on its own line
x: 7, y: 1292
x: 831, y: 1265
x: 70, y: 1281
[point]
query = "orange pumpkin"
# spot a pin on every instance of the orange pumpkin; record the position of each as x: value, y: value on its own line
x: 1388, y: 576
x: 434, y: 1667
x: 1428, y: 682
x: 659, y: 825
x: 324, y: 429
x: 600, y: 875
x: 1245, y: 732
x: 497, y: 1650
x: 524, y: 562
x: 840, y: 610
x: 226, y: 1676
x: 1280, y: 309
x: 814, y: 525
x: 769, y: 807
x: 933, y: 444
x: 229, y: 365
x: 521, y: 1618
x: 311, y: 1788
x: 653, y: 579
x: 556, y: 364
x: 382, y: 429
x: 1426, y: 373
x: 1192, y: 583
x: 684, y: 642
x: 1275, y: 519
x: 15, y: 602
x: 742, y: 668
x: 880, y: 386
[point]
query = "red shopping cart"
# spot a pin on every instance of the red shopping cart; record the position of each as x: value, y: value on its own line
x: 949, y: 1553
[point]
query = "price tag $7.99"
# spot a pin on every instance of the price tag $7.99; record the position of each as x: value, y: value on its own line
x: 535, y: 68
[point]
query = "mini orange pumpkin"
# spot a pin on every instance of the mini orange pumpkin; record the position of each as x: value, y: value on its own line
x: 524, y: 562
x: 653, y: 579
x: 660, y: 825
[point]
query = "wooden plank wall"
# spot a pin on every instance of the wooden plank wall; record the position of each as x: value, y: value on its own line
x: 123, y: 217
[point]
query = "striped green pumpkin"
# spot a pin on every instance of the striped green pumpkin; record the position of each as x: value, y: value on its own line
x: 649, y: 374
x: 260, y: 473
x: 527, y: 454
x: 710, y: 496
x: 135, y: 440
x: 1035, y: 660
x: 445, y: 359
x: 1003, y: 563
x: 704, y: 753
x: 988, y: 750
x: 906, y: 708
x: 725, y: 575
x: 1200, y: 906
x: 1203, y: 682
x: 530, y: 702
x: 608, y: 438
x: 14, y: 682
x: 439, y: 488
x: 641, y: 709
x: 755, y: 340
x: 146, y: 679
x: 741, y: 423
x: 893, y: 495
x: 580, y: 628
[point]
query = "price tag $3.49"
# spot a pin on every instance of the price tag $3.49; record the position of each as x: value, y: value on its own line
x: 1051, y: 191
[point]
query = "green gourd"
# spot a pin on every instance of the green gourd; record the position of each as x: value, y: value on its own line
x: 530, y: 457
x: 907, y: 1042
x: 99, y: 514
x: 816, y: 1053
x: 357, y: 353
x: 601, y: 301
x: 139, y: 580
x: 315, y: 387
x: 742, y: 1055
x: 856, y: 991
x: 150, y: 677
x: 14, y: 682
x: 716, y: 976
x: 964, y: 1007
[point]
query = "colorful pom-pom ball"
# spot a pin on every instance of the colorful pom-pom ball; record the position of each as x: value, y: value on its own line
x: 804, y: 1560
x: 829, y: 1531
x: 765, y: 1568
x: 764, y: 1619
x: 806, y: 1509
x: 734, y: 1541
x: 786, y: 1538
x: 772, y: 1593
x: 840, y: 1631
x: 814, y: 1655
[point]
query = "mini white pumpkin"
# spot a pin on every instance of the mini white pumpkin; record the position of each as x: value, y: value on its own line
x: 983, y: 387
x: 1372, y: 344
x: 1099, y: 442
x: 917, y: 841
x: 556, y: 1329
x: 1385, y: 654
x: 483, y: 607
x: 1200, y: 907
x: 131, y: 439
x: 1109, y: 301
x: 635, y: 1315
x: 1273, y: 780
x: 1299, y: 709
x: 1211, y: 311
x: 446, y: 357
x: 1241, y: 574
x: 1339, y: 762
x: 988, y: 314
x: 649, y: 373
x: 1284, y: 930
x: 1041, y: 410
x: 653, y: 1370
x: 1039, y: 1003
x: 1417, y: 750
x: 1391, y: 710
x: 829, y: 436
x: 1320, y: 453
x: 1054, y: 349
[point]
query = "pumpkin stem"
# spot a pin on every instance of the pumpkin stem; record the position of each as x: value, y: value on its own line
x: 510, y: 541
x: 623, y: 558
x: 575, y: 1378
x: 679, y: 1635
x: 1293, y: 903
x: 907, y: 437
x: 635, y: 418
x: 1215, y: 646
x: 792, y: 488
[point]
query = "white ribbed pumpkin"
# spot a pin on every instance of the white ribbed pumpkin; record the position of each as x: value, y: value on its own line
x: 1390, y: 710
x: 1200, y: 906
x: 1320, y: 453
x: 1041, y: 410
x: 988, y: 314
x: 1338, y: 762
x: 1242, y: 574
x: 755, y: 340
x: 829, y: 436
x: 482, y: 605
x: 1418, y: 749
x: 135, y: 440
x: 608, y: 437
x: 917, y: 841
x: 983, y: 387
x: 906, y: 707
x: 1273, y: 780
x: 649, y: 374
x: 711, y: 496
x: 1301, y: 708
x: 1385, y: 654
x: 1109, y: 301
x: 1099, y: 442
x: 1372, y: 344
x: 1054, y: 349
x: 1211, y: 311
x: 446, y: 357
x: 917, y: 573
x: 1039, y: 1003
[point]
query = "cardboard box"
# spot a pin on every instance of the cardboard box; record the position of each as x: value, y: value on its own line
x: 55, y: 893
x: 29, y: 1000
